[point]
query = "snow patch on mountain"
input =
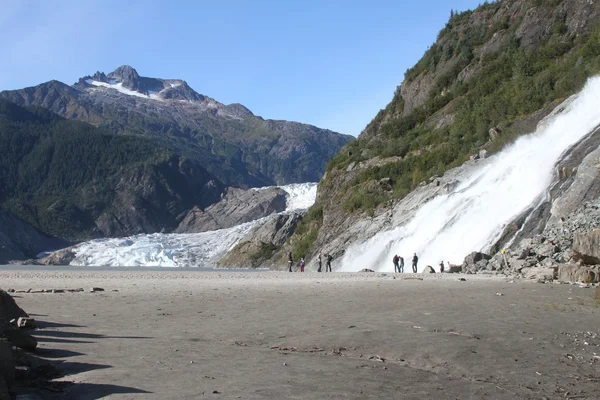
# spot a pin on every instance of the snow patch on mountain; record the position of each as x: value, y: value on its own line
x: 112, y: 84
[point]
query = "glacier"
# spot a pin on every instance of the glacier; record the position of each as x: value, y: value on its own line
x: 181, y: 250
x: 473, y: 215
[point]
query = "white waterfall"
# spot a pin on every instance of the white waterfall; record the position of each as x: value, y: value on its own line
x: 473, y: 215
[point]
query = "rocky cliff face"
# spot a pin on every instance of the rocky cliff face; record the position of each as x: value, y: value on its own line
x: 236, y: 207
x: 233, y: 144
x: 257, y: 248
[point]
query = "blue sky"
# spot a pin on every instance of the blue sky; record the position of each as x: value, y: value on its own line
x: 329, y: 63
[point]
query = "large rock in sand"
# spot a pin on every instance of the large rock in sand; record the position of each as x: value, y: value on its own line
x: 9, y: 308
x: 539, y: 273
x: 576, y: 273
x: 7, y: 363
x: 475, y: 257
x: 587, y: 246
x: 428, y: 270
x: 4, y: 395
x: 20, y: 338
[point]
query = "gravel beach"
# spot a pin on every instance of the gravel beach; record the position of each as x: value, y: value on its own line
x: 256, y: 335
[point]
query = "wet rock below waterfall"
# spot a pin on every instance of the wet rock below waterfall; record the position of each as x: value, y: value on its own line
x: 428, y: 270
x: 475, y: 257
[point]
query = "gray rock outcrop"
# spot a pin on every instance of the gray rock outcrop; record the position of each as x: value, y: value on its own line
x: 577, y: 273
x: 8, y: 308
x: 257, y: 247
x: 236, y: 207
x: 60, y: 257
x: 586, y: 246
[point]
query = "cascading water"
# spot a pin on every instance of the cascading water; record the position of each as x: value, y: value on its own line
x: 473, y: 215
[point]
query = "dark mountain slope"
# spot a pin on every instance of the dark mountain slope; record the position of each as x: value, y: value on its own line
x: 74, y: 181
x: 233, y: 144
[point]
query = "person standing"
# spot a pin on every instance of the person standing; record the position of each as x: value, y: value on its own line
x: 441, y: 267
x: 395, y: 260
x: 301, y: 264
x: 415, y: 260
x: 401, y: 261
x: 319, y: 263
x: 290, y: 261
x: 328, y: 265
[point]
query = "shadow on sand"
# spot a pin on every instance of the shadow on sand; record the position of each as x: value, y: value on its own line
x: 47, y: 384
x: 81, y: 335
x: 93, y: 391
x: 45, y: 324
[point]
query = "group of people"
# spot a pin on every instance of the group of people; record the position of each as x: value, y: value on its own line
x: 399, y: 264
x: 302, y: 263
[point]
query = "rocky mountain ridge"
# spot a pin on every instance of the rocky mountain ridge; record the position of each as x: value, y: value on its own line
x: 233, y: 144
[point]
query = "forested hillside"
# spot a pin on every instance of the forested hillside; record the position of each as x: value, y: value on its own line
x: 74, y: 181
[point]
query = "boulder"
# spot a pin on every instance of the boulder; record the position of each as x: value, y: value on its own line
x: 428, y: 270
x: 587, y: 246
x: 7, y: 363
x: 26, y: 323
x: 366, y: 270
x: 4, y: 394
x: 9, y: 308
x: 474, y: 257
x: 543, y: 274
x: 455, y: 269
x: 545, y: 250
x: 21, y: 339
x: 481, y: 264
x: 577, y: 273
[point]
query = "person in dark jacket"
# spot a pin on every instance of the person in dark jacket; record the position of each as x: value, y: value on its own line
x: 290, y: 261
x: 395, y: 260
x: 328, y: 265
x: 319, y: 263
x: 415, y: 260
x: 441, y: 266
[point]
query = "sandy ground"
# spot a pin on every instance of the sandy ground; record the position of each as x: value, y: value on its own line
x: 213, y: 335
